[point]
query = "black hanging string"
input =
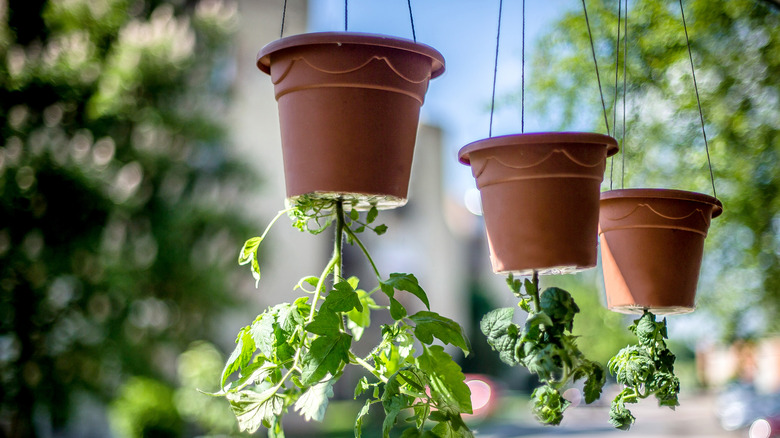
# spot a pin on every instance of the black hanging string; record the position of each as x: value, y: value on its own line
x: 522, y: 76
x: 411, y: 18
x: 495, y: 68
x: 346, y: 15
x: 698, y: 101
x: 598, y: 76
x: 615, y: 101
x: 623, y: 141
x: 284, y: 14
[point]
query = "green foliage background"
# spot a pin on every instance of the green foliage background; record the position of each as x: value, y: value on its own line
x: 736, y: 52
x: 117, y: 199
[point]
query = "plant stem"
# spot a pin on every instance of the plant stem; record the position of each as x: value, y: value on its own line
x: 338, y: 241
x: 537, y: 301
x: 365, y: 252
x: 368, y: 366
x: 279, y: 214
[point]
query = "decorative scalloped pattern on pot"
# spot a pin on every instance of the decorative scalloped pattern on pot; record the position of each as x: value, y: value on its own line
x: 652, y: 243
x: 540, y: 198
x: 349, y: 101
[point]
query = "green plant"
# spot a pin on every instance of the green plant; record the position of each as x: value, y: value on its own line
x: 544, y: 345
x: 645, y: 369
x: 293, y: 353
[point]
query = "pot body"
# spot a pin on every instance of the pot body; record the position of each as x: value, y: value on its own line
x: 540, y: 196
x: 349, y: 107
x: 652, y: 242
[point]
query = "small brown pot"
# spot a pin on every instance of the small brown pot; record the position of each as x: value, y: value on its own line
x: 349, y: 105
x: 652, y: 241
x: 540, y: 196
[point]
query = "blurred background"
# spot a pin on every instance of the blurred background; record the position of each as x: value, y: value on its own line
x: 140, y: 149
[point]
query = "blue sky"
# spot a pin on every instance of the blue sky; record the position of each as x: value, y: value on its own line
x: 464, y: 31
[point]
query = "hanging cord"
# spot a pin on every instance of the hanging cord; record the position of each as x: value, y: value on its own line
x: 284, y: 14
x: 346, y: 15
x: 411, y: 18
x: 495, y: 68
x: 522, y: 76
x: 698, y: 101
x: 615, y: 101
x: 623, y: 141
x: 598, y: 76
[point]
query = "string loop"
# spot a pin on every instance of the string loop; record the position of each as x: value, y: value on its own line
x: 411, y: 18
x: 698, y: 100
x: 595, y: 62
x: 495, y: 68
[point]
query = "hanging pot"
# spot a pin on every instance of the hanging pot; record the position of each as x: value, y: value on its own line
x: 652, y: 242
x: 540, y: 198
x: 349, y: 106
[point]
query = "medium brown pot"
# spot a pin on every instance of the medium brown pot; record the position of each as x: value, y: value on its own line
x: 349, y: 105
x: 652, y: 241
x: 540, y: 196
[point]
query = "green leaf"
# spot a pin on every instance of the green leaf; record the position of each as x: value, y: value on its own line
x: 405, y: 282
x: 397, y: 310
x: 560, y: 306
x: 359, y: 320
x: 393, y: 406
x: 310, y: 280
x: 594, y: 383
x: 248, y: 254
x: 380, y: 229
x: 249, y: 250
x: 253, y: 373
x: 253, y: 409
x: 530, y: 287
x: 431, y: 324
x: 631, y: 366
x: 372, y: 214
x: 288, y: 317
x: 619, y: 416
x: 342, y: 298
x: 495, y: 325
x: 446, y: 380
x: 548, y: 405
x: 359, y: 420
x: 354, y: 214
x: 241, y: 355
x: 647, y: 330
x: 262, y: 332
x: 314, y: 402
x: 326, y: 355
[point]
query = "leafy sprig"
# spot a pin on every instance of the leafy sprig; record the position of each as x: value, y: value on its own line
x: 293, y: 353
x: 645, y: 369
x: 544, y: 345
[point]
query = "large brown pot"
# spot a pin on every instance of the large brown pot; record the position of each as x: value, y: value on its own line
x: 540, y: 198
x: 652, y: 241
x: 349, y: 105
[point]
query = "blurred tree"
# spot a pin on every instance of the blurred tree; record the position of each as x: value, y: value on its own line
x: 736, y: 52
x: 117, y: 198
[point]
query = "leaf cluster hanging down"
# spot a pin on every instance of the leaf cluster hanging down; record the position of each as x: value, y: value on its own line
x: 545, y: 346
x: 293, y: 353
x: 645, y: 369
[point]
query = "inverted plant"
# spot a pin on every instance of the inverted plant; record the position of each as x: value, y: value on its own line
x: 544, y: 345
x: 644, y: 369
x: 294, y: 352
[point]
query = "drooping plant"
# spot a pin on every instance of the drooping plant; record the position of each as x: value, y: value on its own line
x: 645, y: 369
x: 544, y: 345
x: 293, y: 353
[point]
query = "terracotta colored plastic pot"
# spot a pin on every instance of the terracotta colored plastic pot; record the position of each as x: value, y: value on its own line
x: 652, y: 241
x: 540, y: 198
x: 349, y: 106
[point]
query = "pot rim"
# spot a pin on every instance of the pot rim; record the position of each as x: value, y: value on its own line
x: 535, y: 138
x: 717, y: 206
x: 366, y: 39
